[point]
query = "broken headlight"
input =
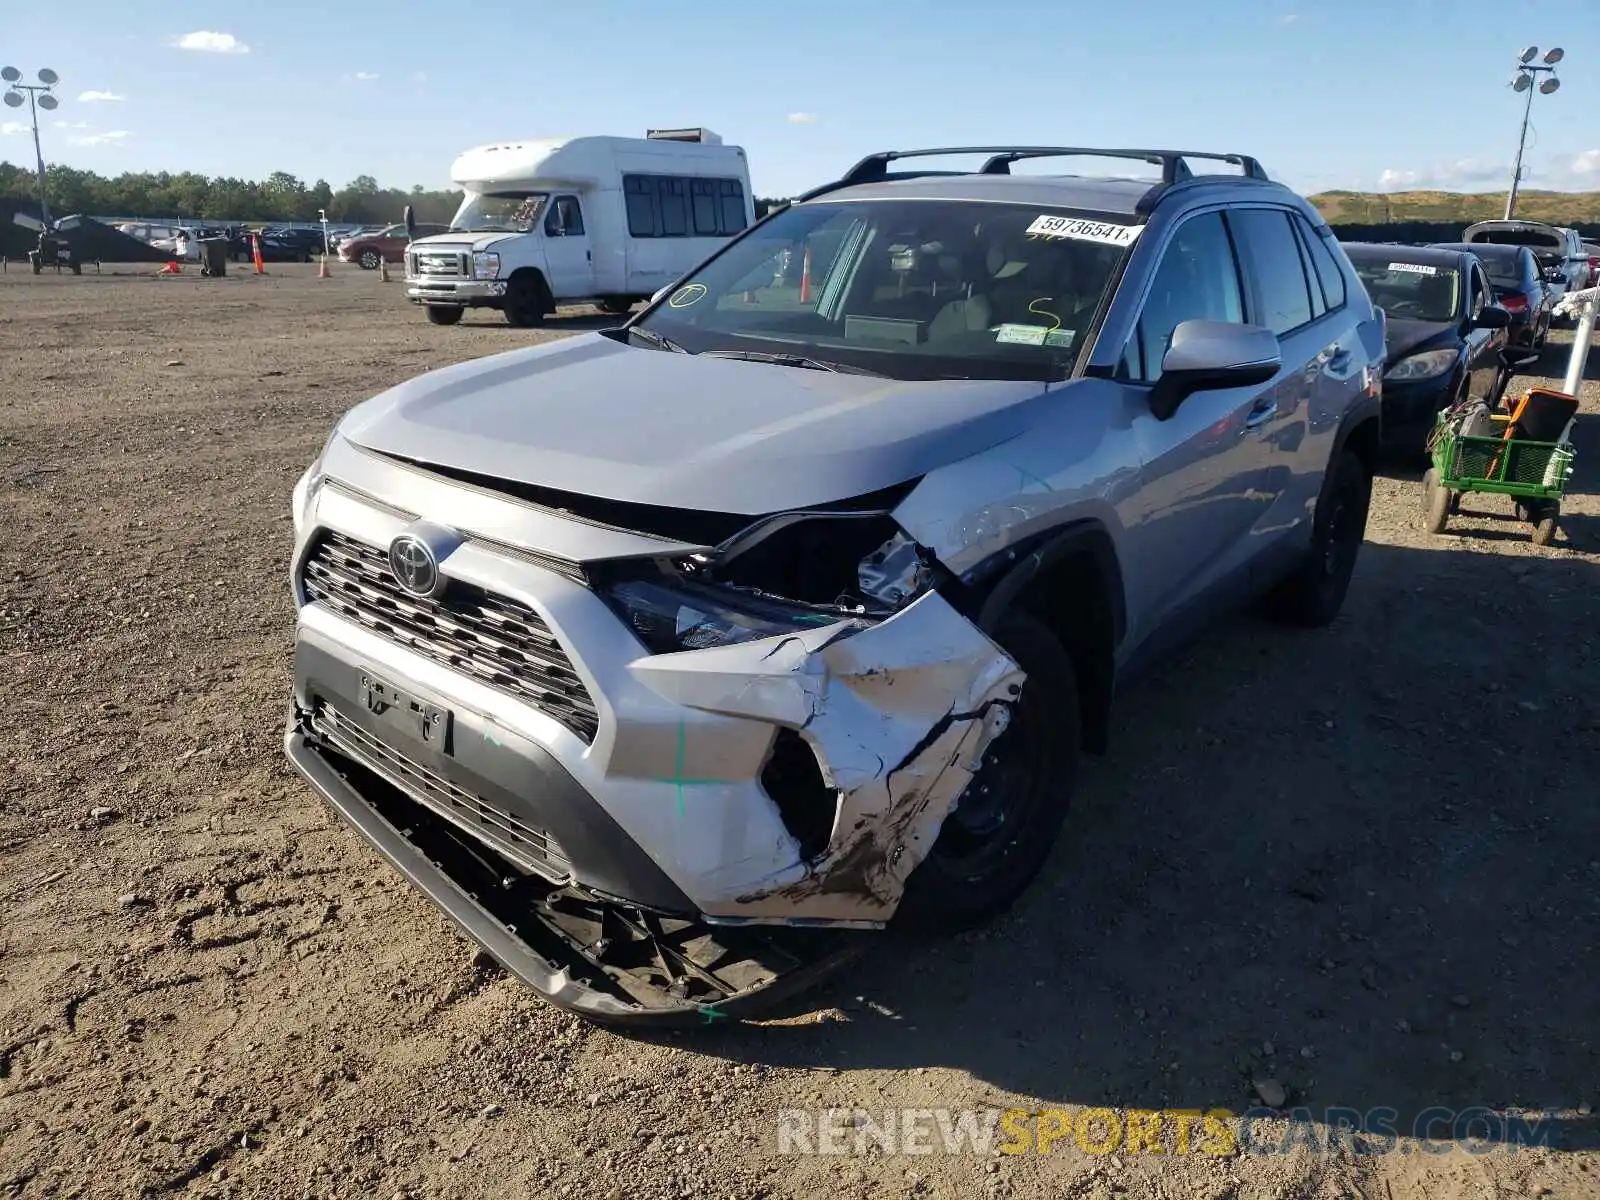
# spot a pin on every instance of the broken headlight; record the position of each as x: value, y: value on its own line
x: 668, y: 618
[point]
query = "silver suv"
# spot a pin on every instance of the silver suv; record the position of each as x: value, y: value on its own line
x: 665, y: 659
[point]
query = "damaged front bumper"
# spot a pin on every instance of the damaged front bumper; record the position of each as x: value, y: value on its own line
x: 606, y: 960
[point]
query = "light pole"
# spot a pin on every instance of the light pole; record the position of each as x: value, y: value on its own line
x: 39, y: 96
x: 1527, y: 72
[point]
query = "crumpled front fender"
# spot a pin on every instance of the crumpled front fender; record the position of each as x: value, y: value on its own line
x: 898, y: 713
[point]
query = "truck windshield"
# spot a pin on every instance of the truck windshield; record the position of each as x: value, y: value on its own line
x: 910, y: 289
x: 499, y: 212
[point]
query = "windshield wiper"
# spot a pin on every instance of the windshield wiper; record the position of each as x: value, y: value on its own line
x: 655, y: 339
x: 782, y: 359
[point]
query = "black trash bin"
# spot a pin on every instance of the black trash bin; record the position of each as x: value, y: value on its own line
x: 214, y: 255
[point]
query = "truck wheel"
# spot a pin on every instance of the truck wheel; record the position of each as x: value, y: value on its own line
x: 999, y: 833
x: 369, y: 260
x: 614, y: 306
x: 527, y: 301
x: 1314, y: 594
x: 444, y: 314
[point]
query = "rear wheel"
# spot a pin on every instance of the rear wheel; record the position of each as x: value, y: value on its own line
x: 443, y: 314
x: 998, y: 835
x: 527, y: 301
x: 369, y: 260
x: 1315, y: 593
x: 614, y: 306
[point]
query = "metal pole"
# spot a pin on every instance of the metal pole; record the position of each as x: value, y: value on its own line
x: 1522, y: 140
x: 38, y: 154
x: 1580, y: 349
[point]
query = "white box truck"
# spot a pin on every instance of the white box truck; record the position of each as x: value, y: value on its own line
x: 610, y: 220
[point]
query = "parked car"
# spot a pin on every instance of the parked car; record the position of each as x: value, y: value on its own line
x: 1445, y: 334
x: 308, y: 241
x: 793, y: 602
x: 386, y: 245
x: 1563, y: 262
x: 1519, y: 288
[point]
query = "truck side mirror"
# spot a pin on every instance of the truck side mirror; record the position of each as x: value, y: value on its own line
x: 411, y: 224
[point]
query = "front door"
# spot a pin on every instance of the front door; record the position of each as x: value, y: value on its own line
x: 1202, y: 467
x: 568, y: 258
x: 1483, y: 345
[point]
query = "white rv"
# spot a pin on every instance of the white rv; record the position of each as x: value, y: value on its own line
x: 604, y: 219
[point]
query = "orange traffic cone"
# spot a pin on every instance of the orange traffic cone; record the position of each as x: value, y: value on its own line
x: 172, y: 268
x: 255, y: 251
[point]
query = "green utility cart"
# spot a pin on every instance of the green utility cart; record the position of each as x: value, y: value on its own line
x: 1525, y: 454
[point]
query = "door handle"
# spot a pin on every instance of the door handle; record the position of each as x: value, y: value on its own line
x: 1260, y: 415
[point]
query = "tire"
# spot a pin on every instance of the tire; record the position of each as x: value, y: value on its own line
x: 1544, y: 529
x: 999, y: 834
x: 444, y: 314
x: 1436, y: 502
x: 527, y: 302
x: 369, y: 260
x: 614, y: 306
x: 1314, y: 594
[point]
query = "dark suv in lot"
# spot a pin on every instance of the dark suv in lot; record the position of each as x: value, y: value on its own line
x: 659, y: 656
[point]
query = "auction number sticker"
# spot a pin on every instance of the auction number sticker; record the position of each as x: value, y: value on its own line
x: 689, y: 293
x: 1414, y: 268
x: 1105, y: 232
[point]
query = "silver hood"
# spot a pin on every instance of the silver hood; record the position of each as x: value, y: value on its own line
x: 590, y: 416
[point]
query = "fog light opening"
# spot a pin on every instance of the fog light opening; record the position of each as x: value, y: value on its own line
x: 793, y: 781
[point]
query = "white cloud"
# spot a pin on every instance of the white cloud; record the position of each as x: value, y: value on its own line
x: 73, y: 125
x: 1288, y: 18
x: 12, y: 128
x: 99, y: 98
x: 802, y: 118
x: 366, y: 76
x: 1587, y: 164
x: 111, y: 137
x: 1464, y: 174
x: 207, y: 42
x: 419, y: 77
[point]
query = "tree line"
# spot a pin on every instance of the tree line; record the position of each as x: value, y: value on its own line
x: 193, y: 197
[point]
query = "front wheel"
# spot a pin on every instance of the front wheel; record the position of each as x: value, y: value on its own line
x: 998, y: 834
x: 443, y: 314
x: 1544, y: 529
x: 1314, y: 594
x: 369, y: 260
x: 1436, y: 502
x: 527, y: 302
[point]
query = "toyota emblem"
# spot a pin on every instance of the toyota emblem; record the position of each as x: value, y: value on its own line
x: 414, y: 565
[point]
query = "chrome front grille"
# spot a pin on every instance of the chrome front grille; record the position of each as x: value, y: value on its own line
x: 493, y: 639
x: 442, y: 264
x: 524, y: 845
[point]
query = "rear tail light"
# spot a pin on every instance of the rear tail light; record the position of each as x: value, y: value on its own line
x: 1514, y: 302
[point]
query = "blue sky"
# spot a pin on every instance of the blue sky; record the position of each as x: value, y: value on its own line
x: 1352, y: 93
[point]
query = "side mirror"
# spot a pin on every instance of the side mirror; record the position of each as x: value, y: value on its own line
x: 1492, y: 316
x: 411, y: 224
x: 1213, y: 354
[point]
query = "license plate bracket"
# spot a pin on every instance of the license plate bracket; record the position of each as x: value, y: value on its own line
x: 430, y: 724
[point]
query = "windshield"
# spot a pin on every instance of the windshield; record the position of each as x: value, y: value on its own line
x: 498, y: 212
x: 1411, y: 291
x: 915, y: 289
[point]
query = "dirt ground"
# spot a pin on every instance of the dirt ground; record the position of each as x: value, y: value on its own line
x: 1359, y: 866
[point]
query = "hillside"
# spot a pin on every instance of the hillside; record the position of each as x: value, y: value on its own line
x: 1364, y: 208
